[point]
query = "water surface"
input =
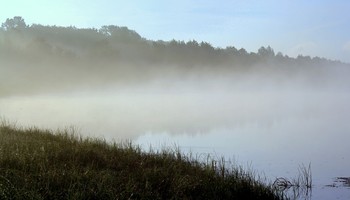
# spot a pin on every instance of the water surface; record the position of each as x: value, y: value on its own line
x: 270, y: 128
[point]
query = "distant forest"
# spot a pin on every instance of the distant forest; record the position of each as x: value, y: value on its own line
x: 33, y: 54
x: 120, y: 44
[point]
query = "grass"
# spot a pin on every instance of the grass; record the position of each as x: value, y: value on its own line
x: 299, y: 187
x: 42, y: 164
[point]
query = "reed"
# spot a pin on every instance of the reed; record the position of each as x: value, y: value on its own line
x: 296, y: 187
x: 42, y: 164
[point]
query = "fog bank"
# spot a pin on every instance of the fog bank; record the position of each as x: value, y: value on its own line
x: 111, y: 81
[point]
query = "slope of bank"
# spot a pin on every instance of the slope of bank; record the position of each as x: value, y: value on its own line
x: 42, y: 164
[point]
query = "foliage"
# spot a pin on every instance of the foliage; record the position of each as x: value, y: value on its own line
x: 40, y: 164
x: 15, y: 23
x: 71, y: 58
x: 128, y: 45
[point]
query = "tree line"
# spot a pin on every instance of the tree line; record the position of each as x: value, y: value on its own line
x: 119, y: 44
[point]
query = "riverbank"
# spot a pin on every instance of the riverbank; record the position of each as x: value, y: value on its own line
x: 43, y: 164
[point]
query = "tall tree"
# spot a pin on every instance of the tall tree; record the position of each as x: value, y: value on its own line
x: 15, y: 23
x: 266, y: 52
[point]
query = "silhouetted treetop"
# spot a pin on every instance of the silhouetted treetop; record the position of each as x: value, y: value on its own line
x: 120, y: 33
x: 15, y: 23
x: 266, y: 52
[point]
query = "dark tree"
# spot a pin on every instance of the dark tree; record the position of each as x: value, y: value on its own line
x: 120, y: 33
x: 266, y: 52
x: 15, y: 23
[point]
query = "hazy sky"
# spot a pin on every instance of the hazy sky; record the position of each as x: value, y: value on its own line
x: 316, y: 28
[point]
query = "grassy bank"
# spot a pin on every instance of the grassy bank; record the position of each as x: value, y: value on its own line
x: 41, y: 164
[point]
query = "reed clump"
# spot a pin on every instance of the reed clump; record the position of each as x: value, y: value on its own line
x: 296, y: 187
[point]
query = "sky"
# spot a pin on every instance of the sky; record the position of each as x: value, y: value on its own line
x: 293, y: 27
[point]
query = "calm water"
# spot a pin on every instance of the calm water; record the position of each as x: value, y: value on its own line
x: 270, y: 129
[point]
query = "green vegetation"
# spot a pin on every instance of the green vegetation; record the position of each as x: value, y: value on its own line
x: 71, y: 59
x: 40, y: 164
x: 121, y: 45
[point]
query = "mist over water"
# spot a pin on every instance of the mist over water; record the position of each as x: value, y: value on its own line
x: 191, y: 106
x: 271, y: 110
x: 274, y: 124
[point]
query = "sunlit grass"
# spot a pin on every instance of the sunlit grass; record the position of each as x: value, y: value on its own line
x: 42, y: 164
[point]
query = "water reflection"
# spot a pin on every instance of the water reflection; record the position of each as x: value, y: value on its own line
x: 344, y: 180
x: 340, y: 182
x: 297, y: 188
x: 275, y: 128
x: 131, y: 113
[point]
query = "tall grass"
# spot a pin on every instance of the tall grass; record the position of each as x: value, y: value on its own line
x: 41, y: 164
x: 297, y: 187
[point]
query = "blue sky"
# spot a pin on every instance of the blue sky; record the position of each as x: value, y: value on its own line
x: 315, y: 28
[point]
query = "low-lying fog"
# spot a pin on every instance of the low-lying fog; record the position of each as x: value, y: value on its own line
x: 263, y: 107
x: 276, y: 122
x: 191, y: 105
